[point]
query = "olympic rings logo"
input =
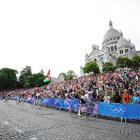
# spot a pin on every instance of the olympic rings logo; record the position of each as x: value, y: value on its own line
x: 119, y: 110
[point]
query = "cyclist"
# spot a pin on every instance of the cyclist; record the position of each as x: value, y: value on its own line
x: 18, y: 98
x: 37, y: 99
x: 21, y: 97
x: 84, y: 99
x: 6, y: 97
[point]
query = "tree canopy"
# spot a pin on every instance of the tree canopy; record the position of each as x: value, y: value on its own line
x: 34, y: 80
x: 70, y: 74
x: 108, y: 67
x: 123, y: 62
x: 135, y: 62
x: 24, y: 75
x: 8, y: 78
x: 91, y: 67
x: 62, y: 75
x: 67, y: 76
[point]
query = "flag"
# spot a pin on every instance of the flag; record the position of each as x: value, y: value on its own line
x: 48, y: 73
x: 48, y: 78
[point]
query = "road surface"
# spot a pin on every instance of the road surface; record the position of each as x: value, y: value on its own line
x: 24, y: 122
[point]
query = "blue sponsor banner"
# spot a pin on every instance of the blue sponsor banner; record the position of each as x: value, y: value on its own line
x: 14, y: 97
x: 29, y: 99
x: 119, y: 110
x: 60, y: 103
x: 112, y: 109
x: 48, y: 101
x: 131, y: 111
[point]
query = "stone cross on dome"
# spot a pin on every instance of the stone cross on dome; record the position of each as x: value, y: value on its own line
x: 121, y: 34
x: 110, y: 24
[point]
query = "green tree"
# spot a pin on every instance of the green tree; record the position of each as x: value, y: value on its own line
x: 69, y: 77
x: 36, y: 80
x: 70, y: 74
x: 91, y: 67
x: 108, y: 66
x: 123, y: 62
x: 24, y: 74
x: 62, y: 75
x: 8, y: 78
x: 135, y: 62
x: 3, y: 80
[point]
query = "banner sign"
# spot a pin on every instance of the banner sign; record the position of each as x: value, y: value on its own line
x: 131, y: 111
x: 60, y: 103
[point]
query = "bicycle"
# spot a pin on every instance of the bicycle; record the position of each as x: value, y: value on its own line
x: 90, y: 112
x: 20, y: 100
x: 6, y: 98
x: 36, y: 102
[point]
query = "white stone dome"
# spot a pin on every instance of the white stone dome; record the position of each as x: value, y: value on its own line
x: 123, y: 43
x: 111, y: 33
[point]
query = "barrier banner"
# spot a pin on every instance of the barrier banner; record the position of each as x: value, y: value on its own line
x: 69, y: 103
x: 131, y: 111
x: 9, y: 97
x: 59, y: 103
x: 13, y: 97
x: 29, y: 99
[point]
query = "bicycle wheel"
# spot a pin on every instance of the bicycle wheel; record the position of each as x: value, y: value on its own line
x: 32, y: 103
x: 92, y: 114
x: 22, y: 101
x: 17, y: 101
x: 74, y: 111
x: 6, y: 100
x: 37, y: 103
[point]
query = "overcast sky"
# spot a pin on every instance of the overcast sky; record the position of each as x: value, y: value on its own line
x: 56, y: 34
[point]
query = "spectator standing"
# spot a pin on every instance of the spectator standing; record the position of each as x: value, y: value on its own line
x: 125, y: 97
x: 117, y: 98
x: 106, y: 98
x: 136, y: 98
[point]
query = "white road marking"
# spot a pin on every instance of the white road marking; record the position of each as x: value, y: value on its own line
x: 5, y: 122
x: 33, y: 138
x: 18, y: 130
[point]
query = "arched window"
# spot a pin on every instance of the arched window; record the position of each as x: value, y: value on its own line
x: 115, y: 48
x: 111, y: 48
x: 108, y: 49
x: 121, y: 51
x: 126, y: 50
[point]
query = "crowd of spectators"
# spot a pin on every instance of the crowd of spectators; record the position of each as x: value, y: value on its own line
x: 118, y: 87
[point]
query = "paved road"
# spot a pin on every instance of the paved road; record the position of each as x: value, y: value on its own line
x: 19, y: 122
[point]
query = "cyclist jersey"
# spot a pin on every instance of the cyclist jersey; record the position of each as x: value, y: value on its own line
x: 38, y: 95
x: 85, y: 97
x: 8, y: 95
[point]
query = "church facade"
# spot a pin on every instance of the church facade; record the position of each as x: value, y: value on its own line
x: 114, y: 45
